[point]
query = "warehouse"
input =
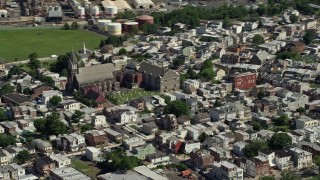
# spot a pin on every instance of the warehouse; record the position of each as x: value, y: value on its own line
x: 142, y: 4
x: 121, y: 5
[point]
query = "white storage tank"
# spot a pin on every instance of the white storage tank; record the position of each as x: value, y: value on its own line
x: 114, y: 29
x: 111, y: 11
x: 95, y: 11
x: 81, y: 12
x: 103, y: 24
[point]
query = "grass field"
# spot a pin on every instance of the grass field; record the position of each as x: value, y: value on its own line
x: 123, y: 97
x: 19, y: 43
x: 85, y: 168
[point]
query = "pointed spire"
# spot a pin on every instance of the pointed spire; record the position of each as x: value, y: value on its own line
x: 84, y: 48
x: 73, y: 57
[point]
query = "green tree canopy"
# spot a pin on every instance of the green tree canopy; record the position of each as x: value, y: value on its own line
x: 77, y: 116
x: 6, y: 89
x: 122, y: 51
x: 55, y: 100
x: 40, y: 125
x: 75, y: 25
x: 118, y: 160
x: 22, y: 157
x: 86, y: 128
x: 294, y: 18
x: 6, y: 140
x: 203, y: 137
x: 54, y: 125
x: 177, y: 108
x: 257, y: 39
x: 280, y: 141
x: 281, y: 121
x: 66, y: 26
x: 251, y: 150
x: 256, y: 126
x: 309, y: 36
x: 267, y: 178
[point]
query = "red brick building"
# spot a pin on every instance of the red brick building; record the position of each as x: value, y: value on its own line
x: 96, y: 138
x: 244, y: 80
x: 201, y: 158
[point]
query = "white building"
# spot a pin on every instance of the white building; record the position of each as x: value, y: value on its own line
x: 142, y: 4
x: 189, y: 146
x: 93, y: 154
x: 301, y: 158
x: 47, y: 95
x: 71, y: 105
x: 133, y: 142
x: 99, y: 120
x: 60, y: 160
x: 225, y: 170
x: 269, y: 155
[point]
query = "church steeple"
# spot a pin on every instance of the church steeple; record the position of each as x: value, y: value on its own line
x: 73, y: 69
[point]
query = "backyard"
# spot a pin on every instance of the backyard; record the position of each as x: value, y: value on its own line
x: 17, y: 44
x: 86, y: 168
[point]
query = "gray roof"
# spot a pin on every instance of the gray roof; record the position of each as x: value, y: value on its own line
x: 151, y: 69
x: 95, y: 73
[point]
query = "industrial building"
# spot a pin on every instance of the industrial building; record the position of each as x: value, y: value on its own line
x: 145, y: 19
x: 121, y: 5
x: 114, y: 29
x: 54, y: 14
x: 142, y: 4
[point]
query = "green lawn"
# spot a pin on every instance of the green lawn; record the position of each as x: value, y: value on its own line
x: 123, y: 97
x: 19, y: 43
x: 85, y: 168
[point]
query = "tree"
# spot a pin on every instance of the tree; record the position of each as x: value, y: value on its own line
x: 149, y: 28
x: 118, y: 160
x: 55, y: 100
x: 280, y: 141
x: 281, y: 121
x: 75, y: 25
x: 54, y: 125
x: 33, y: 55
x: 203, y: 137
x: 260, y: 24
x: 122, y: 51
x: 23, y: 156
x: 6, y: 89
x: 217, y: 103
x: 309, y: 36
x: 256, y: 126
x: 208, y: 74
x: 6, y: 140
x: 77, y: 116
x: 27, y: 91
x: 294, y: 18
x: 126, y: 15
x: 317, y: 161
x: 3, y: 115
x: 178, y: 62
x: 226, y: 23
x: 40, y: 125
x: 290, y: 175
x: 66, y: 26
x: 257, y: 39
x: 177, y: 108
x: 267, y: 178
x: 15, y: 70
x: 34, y: 64
x: 181, y: 167
x: 251, y: 150
x: 86, y: 127
x: 207, y: 64
x: 301, y: 110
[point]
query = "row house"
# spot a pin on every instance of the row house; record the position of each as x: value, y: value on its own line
x: 42, y: 146
x: 96, y: 138
x: 122, y: 116
x: 71, y: 142
x: 167, y: 122
x: 22, y: 112
x: 256, y: 166
x: 301, y: 158
x: 201, y: 158
x: 225, y: 170
x: 43, y: 165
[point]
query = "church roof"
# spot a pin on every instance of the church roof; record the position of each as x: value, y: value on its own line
x: 151, y: 69
x: 95, y: 73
